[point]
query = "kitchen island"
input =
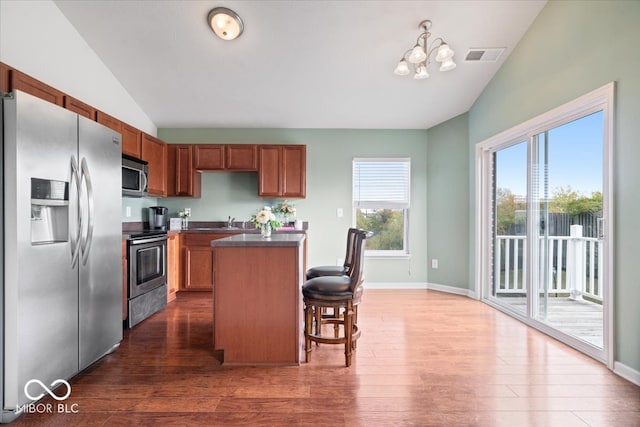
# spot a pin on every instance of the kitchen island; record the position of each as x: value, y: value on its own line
x: 257, y: 309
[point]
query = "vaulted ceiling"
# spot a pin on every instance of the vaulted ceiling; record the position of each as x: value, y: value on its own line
x: 298, y: 64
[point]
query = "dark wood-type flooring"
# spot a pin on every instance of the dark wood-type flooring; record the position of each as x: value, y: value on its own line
x: 425, y: 359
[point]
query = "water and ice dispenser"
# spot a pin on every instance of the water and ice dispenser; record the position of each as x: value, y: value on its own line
x: 49, y: 211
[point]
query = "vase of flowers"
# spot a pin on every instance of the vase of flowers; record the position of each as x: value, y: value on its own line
x: 184, y: 215
x: 265, y: 220
x: 287, y: 211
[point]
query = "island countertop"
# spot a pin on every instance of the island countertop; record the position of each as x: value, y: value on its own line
x: 256, y: 240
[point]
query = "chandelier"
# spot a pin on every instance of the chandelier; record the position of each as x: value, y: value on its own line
x: 418, y: 58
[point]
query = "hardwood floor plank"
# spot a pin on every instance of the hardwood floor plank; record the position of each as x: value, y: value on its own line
x: 425, y: 358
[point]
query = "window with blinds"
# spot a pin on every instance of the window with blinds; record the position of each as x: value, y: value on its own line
x: 381, y: 201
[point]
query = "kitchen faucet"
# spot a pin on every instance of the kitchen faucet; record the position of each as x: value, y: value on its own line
x: 230, y: 221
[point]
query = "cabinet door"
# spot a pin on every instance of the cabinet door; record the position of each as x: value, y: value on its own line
x: 109, y: 121
x: 77, y: 106
x: 154, y: 152
x: 294, y: 171
x: 187, y: 179
x: 269, y: 171
x: 21, y: 81
x: 209, y: 157
x: 131, y: 141
x: 241, y: 157
x: 173, y: 265
x: 198, y: 268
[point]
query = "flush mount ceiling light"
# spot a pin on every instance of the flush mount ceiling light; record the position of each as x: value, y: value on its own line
x: 225, y: 23
x: 418, y: 58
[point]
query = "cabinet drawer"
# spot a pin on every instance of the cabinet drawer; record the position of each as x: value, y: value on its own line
x: 204, y: 239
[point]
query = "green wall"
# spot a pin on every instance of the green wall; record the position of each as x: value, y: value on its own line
x: 572, y: 48
x: 329, y: 156
x: 448, y: 202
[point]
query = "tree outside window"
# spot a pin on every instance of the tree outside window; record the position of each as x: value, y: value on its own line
x: 381, y: 201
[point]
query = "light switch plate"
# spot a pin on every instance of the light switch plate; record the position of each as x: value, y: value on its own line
x: 339, y: 212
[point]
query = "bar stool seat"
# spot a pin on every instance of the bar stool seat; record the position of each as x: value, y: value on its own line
x: 326, y: 270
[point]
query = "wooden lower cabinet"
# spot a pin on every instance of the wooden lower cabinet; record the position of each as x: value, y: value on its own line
x: 198, y: 261
x: 173, y: 265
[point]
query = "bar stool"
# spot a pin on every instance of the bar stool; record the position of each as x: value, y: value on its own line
x: 334, y: 270
x: 338, y: 292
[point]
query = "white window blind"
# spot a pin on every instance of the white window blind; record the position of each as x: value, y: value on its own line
x: 381, y: 183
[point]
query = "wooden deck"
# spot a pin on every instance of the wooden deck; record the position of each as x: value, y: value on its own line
x: 581, y: 319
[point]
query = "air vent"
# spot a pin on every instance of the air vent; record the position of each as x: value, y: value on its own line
x: 491, y: 54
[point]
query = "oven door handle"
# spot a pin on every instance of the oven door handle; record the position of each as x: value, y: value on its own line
x: 149, y: 240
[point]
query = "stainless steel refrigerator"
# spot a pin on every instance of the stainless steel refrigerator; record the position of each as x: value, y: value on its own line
x: 61, y: 270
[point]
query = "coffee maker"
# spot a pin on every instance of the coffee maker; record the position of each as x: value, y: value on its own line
x: 158, y: 217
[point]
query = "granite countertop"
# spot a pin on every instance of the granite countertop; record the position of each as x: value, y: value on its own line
x: 253, y: 240
x: 234, y: 230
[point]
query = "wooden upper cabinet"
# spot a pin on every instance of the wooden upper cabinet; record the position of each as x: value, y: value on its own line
x: 131, y: 141
x: 241, y: 157
x: 109, y: 121
x: 154, y: 152
x: 21, y: 81
x: 294, y: 171
x: 209, y: 157
x: 282, y: 171
x: 187, y: 179
x: 269, y: 171
x: 77, y: 106
x: 4, y: 78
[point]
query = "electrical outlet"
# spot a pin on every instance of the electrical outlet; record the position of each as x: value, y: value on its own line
x: 339, y: 212
x: 187, y: 211
x: 128, y: 212
x: 434, y: 263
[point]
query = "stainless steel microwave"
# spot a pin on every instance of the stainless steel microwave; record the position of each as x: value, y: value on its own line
x: 134, y: 177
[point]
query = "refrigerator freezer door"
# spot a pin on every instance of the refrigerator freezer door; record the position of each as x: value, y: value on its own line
x: 100, y: 287
x: 40, y: 286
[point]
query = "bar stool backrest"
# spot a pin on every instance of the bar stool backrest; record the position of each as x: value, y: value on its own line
x: 356, y: 272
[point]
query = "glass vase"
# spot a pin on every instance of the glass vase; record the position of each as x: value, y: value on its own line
x: 265, y: 230
x: 185, y: 223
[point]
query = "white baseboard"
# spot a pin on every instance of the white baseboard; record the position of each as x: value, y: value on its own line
x: 421, y: 285
x: 395, y: 285
x: 452, y: 290
x: 627, y: 372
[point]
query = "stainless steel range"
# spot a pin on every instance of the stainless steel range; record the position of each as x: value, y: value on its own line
x: 147, y: 260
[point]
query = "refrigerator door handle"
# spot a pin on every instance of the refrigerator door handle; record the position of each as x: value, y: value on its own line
x: 74, y: 235
x: 86, y: 178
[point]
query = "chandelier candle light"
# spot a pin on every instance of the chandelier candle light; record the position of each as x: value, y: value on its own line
x: 418, y: 58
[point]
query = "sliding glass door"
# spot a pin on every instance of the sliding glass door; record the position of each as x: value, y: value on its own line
x: 544, y: 244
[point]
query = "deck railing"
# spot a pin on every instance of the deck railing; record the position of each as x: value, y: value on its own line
x: 574, y: 264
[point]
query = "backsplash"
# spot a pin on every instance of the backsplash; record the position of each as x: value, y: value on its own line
x: 138, y: 208
x: 224, y: 195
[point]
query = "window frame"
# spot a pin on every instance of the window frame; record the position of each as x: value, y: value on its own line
x: 404, y: 206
